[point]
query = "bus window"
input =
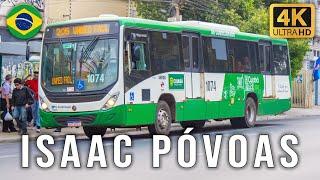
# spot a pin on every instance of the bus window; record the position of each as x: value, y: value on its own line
x: 242, y: 58
x: 220, y: 46
x: 261, y: 58
x: 165, y: 52
x: 280, y: 60
x: 215, y: 55
x: 186, y: 51
x: 265, y: 57
x: 253, y: 51
x: 195, y: 52
x: 138, y: 57
x: 62, y: 65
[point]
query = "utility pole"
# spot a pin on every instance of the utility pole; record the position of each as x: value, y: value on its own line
x: 70, y: 3
x: 175, y: 11
x: 69, y: 10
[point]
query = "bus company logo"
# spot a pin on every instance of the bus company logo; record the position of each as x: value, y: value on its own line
x: 176, y: 81
x: 292, y: 20
x: 24, y: 21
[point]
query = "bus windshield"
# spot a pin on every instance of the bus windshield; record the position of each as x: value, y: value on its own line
x: 80, y: 66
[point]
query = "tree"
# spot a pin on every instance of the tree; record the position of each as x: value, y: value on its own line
x: 249, y: 15
x: 155, y: 10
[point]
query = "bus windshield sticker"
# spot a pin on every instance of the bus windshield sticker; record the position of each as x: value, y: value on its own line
x: 68, y: 46
x: 70, y: 89
x: 80, y: 85
x: 176, y: 81
x: 131, y: 96
x: 61, y: 80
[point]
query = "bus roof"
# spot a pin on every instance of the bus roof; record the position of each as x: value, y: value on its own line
x: 204, y: 28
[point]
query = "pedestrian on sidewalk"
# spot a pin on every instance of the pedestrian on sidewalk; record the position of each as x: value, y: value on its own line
x: 6, y: 102
x: 316, y: 70
x: 21, y: 100
x: 33, y: 87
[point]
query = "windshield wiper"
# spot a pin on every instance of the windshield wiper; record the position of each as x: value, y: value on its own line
x: 86, y: 53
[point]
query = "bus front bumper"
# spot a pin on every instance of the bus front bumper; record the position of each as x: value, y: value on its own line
x: 114, y: 117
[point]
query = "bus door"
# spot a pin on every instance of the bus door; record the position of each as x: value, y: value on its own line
x: 194, y: 83
x: 265, y: 52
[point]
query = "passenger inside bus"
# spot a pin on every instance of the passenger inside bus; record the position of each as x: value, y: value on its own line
x: 239, y: 67
x: 138, y: 56
x: 247, y: 64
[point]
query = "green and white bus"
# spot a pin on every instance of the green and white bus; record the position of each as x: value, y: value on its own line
x: 116, y: 72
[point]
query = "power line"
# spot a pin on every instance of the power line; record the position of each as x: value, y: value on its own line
x: 200, y: 8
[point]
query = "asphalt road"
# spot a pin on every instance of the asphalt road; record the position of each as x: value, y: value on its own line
x: 306, y: 129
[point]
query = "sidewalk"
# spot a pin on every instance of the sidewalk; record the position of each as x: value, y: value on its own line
x: 294, y: 113
x: 14, y: 137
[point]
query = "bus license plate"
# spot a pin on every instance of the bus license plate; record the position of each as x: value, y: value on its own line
x: 73, y: 123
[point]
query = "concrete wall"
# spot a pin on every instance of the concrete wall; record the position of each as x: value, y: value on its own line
x: 60, y: 10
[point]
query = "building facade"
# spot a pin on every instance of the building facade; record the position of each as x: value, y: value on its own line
x: 74, y: 9
x: 314, y: 52
x: 12, y: 50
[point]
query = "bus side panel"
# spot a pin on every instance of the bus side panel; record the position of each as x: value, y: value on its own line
x: 213, y: 109
x: 214, y: 83
x: 194, y: 109
x: 179, y: 111
x: 235, y: 90
x: 282, y: 100
x: 140, y: 114
x: 274, y: 106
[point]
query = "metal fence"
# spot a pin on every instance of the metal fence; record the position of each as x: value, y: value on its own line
x: 303, y: 90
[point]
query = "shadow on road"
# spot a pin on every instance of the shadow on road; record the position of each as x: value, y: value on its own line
x: 208, y: 129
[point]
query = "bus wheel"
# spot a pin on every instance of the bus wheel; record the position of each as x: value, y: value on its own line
x: 250, y: 115
x: 163, y: 121
x: 90, y: 131
x: 197, y: 125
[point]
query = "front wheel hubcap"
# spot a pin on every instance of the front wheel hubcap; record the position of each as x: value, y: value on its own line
x: 163, y: 119
x: 250, y: 114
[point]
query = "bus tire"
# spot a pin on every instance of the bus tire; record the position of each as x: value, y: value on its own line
x: 162, y: 124
x: 197, y: 125
x: 89, y: 131
x: 249, y: 120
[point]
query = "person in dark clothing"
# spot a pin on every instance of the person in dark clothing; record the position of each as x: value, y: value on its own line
x: 21, y: 100
x: 6, y: 102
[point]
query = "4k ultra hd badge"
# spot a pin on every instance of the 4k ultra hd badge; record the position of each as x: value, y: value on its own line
x: 292, y: 20
x: 24, y: 21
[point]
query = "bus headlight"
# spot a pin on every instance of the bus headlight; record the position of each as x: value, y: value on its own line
x: 44, y: 105
x: 111, y: 101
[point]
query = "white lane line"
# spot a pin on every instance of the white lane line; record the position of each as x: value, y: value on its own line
x: 9, y: 156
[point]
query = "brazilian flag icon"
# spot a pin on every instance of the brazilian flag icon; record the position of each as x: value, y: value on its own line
x: 24, y: 21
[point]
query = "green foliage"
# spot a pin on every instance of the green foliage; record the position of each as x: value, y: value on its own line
x: 155, y: 10
x: 249, y: 15
x: 257, y: 22
x: 298, y: 49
